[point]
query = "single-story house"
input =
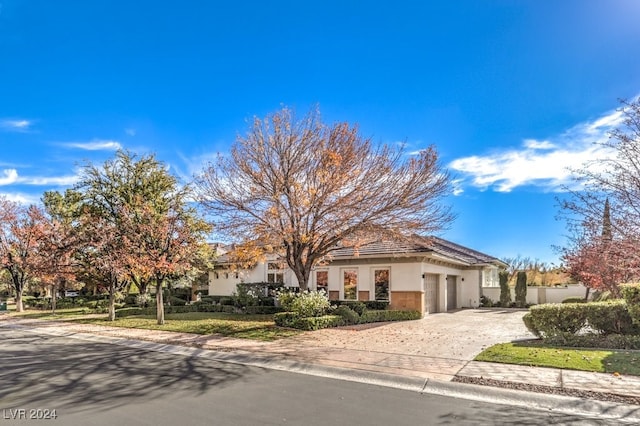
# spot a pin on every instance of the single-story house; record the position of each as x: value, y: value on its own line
x: 425, y: 274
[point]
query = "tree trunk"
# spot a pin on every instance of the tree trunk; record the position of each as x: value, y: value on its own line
x: 19, y: 305
x: 53, y: 299
x: 18, y: 286
x: 112, y: 301
x: 159, y: 303
x: 586, y: 294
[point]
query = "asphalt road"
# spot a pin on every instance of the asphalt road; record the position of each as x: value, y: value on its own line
x: 102, y: 384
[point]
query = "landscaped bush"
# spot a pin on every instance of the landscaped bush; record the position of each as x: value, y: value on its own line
x: 609, y: 317
x: 505, y: 291
x: 348, y: 315
x: 262, y: 310
x: 127, y: 312
x: 389, y: 315
x: 176, y: 301
x: 292, y: 320
x: 556, y: 319
x: 376, y: 305
x: 285, y: 319
x: 609, y: 341
x: 631, y: 294
x: 305, y: 303
x: 574, y: 300
x: 485, y: 302
x: 316, y: 323
x: 228, y: 301
x: 521, y: 289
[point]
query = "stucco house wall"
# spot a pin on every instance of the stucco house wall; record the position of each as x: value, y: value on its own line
x: 456, y: 269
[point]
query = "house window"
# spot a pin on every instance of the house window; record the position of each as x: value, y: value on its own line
x: 322, y: 281
x: 381, y: 281
x: 350, y: 284
x: 275, y: 273
x: 490, y: 277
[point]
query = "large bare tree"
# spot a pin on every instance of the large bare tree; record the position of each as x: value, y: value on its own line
x: 306, y: 188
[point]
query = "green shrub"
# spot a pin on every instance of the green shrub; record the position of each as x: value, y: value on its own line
x: 228, y: 301
x: 557, y: 319
x: 505, y: 291
x: 574, y: 300
x: 631, y: 294
x: 376, y: 305
x: 179, y: 309
x: 485, y: 302
x: 176, y: 301
x: 521, y: 289
x: 528, y: 322
x: 349, y: 316
x: 316, y: 323
x: 127, y: 312
x: 262, y: 310
x: 285, y: 319
x: 609, y: 317
x: 608, y: 341
x: 389, y: 315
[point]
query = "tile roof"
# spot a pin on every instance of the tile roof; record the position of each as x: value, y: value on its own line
x: 418, y: 245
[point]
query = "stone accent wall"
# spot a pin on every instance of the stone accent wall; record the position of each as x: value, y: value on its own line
x: 363, y: 295
x: 407, y: 300
x: 334, y: 295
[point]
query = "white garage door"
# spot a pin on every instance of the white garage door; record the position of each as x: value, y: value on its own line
x: 431, y: 293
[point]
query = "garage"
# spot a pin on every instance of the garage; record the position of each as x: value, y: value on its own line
x: 452, y: 294
x: 430, y: 293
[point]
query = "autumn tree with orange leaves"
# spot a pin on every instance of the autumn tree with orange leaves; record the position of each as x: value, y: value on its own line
x: 603, y: 215
x: 22, y: 235
x: 305, y: 188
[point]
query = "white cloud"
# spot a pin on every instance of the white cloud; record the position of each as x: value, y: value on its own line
x: 16, y: 125
x: 544, y: 163
x: 20, y: 198
x: 9, y: 176
x: 95, y: 145
x: 130, y: 132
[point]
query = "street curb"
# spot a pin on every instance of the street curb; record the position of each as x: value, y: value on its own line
x: 545, y: 402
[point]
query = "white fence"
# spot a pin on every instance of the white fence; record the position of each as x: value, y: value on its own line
x: 538, y: 295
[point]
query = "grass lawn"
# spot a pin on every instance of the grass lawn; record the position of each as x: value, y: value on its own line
x: 256, y: 327
x: 536, y: 353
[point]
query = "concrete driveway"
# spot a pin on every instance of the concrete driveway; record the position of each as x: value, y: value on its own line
x: 458, y: 335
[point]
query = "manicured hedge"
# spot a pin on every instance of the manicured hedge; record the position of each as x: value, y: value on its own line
x: 375, y: 305
x: 560, y: 320
x: 262, y: 310
x: 389, y: 315
x: 611, y: 317
x: 609, y: 341
x: 556, y: 319
x: 631, y: 294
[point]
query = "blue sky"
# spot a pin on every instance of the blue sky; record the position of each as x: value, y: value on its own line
x: 510, y: 92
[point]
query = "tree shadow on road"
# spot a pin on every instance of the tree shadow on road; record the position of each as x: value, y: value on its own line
x: 53, y: 372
